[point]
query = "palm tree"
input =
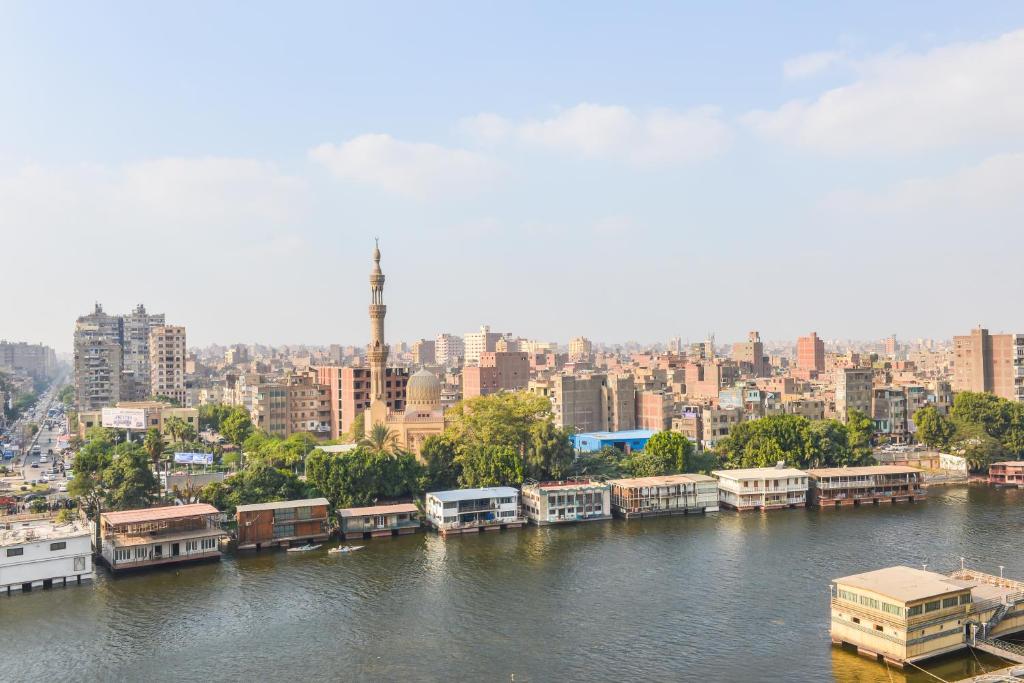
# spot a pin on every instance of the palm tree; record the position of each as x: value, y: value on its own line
x: 380, y: 440
x: 174, y: 426
x: 154, y: 446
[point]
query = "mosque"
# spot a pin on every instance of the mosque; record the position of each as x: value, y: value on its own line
x: 423, y: 415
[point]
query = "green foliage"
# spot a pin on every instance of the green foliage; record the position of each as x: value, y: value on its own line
x: 380, y: 440
x: 65, y: 516
x: 66, y: 395
x: 933, y: 428
x: 357, y: 430
x: 988, y: 427
x: 236, y: 427
x: 260, y: 483
x: 39, y: 505
x: 97, y: 453
x: 609, y: 463
x: 672, y: 449
x: 273, y: 451
x: 442, y: 468
x: 361, y: 477
x: 212, y: 415
x: 503, y: 419
x: 129, y: 482
x: 490, y: 466
x: 154, y: 445
x: 798, y: 442
x: 550, y: 453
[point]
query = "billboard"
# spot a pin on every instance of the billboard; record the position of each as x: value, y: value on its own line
x: 124, y: 418
x: 194, y: 458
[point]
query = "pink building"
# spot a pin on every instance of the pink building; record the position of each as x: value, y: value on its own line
x: 653, y: 410
x: 1008, y: 473
x: 810, y: 353
x: 498, y: 371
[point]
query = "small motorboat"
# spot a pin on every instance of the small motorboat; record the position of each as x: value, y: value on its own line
x: 345, y: 549
x: 303, y: 548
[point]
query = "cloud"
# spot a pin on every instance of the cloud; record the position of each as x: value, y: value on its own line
x: 902, y: 103
x: 412, y: 169
x: 811, y: 64
x: 594, y: 131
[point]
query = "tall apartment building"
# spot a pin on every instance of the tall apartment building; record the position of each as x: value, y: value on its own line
x: 32, y: 359
x: 992, y: 363
x: 891, y: 347
x: 496, y: 371
x: 348, y: 393
x: 476, y: 343
x: 750, y: 355
x: 296, y: 403
x: 135, y: 354
x: 580, y: 349
x: 590, y: 403
x: 654, y: 410
x: 853, y: 391
x: 167, y: 362
x: 97, y: 360
x: 449, y: 349
x: 810, y: 353
x: 424, y: 352
x: 889, y: 413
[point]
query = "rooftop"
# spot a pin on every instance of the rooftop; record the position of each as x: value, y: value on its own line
x: 618, y: 436
x: 667, y: 480
x: 582, y: 483
x: 862, y: 471
x: 282, y: 505
x: 904, y: 584
x: 29, y: 532
x: 159, y: 514
x: 473, y: 494
x: 377, y: 510
x: 760, y: 473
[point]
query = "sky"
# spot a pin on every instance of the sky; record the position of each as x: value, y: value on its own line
x: 615, y: 170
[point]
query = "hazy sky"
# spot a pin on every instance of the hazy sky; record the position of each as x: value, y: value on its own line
x: 620, y: 170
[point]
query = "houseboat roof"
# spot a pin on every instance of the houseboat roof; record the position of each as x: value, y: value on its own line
x: 666, y: 480
x: 282, y: 505
x: 377, y: 510
x: 760, y: 473
x: 1009, y: 463
x: 904, y: 584
x: 473, y: 494
x: 161, y: 513
x: 45, y: 531
x: 624, y: 435
x: 570, y: 484
x: 862, y: 471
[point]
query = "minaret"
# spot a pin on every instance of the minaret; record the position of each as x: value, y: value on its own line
x: 377, y: 351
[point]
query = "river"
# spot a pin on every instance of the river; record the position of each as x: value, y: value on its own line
x: 722, y: 597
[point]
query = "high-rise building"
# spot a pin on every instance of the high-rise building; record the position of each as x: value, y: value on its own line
x: 449, y: 349
x: 810, y: 353
x: 750, y: 355
x: 135, y: 331
x: 349, y: 393
x: 297, y: 403
x: 476, y: 343
x: 97, y: 360
x: 853, y: 391
x: 580, y: 350
x: 990, y: 363
x: 891, y: 347
x: 33, y: 359
x: 424, y: 352
x: 167, y: 362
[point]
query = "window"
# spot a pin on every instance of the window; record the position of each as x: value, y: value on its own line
x: 965, y: 599
x: 892, y: 609
x: 122, y: 554
x: 878, y: 628
x: 932, y: 606
x: 61, y: 545
x: 950, y: 602
x: 80, y: 564
x: 209, y: 544
x: 141, y: 553
x: 14, y: 552
x: 914, y: 611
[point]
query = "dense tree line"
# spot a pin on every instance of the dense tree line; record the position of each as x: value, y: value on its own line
x: 981, y: 427
x: 798, y: 442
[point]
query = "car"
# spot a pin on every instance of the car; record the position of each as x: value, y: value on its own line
x: 63, y: 488
x: 35, y: 464
x: 45, y: 479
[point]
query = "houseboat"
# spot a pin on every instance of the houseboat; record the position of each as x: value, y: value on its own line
x: 284, y: 522
x: 841, y: 486
x: 1007, y: 473
x: 36, y: 552
x: 762, y: 488
x: 379, y: 520
x: 558, y: 502
x: 673, y: 494
x: 471, y: 510
x: 135, y: 539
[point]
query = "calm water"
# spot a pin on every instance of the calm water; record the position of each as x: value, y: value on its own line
x: 724, y: 597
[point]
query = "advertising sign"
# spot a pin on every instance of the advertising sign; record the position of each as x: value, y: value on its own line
x: 124, y: 418
x: 194, y: 458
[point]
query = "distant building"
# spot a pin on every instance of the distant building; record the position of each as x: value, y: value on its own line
x: 472, y: 510
x: 449, y: 350
x: 33, y: 359
x: 580, y: 350
x: 285, y: 523
x: 762, y: 488
x: 810, y: 353
x: 750, y: 355
x: 167, y: 362
x: 379, y: 520
x: 590, y: 402
x: 44, y: 554
x: 654, y: 410
x: 476, y: 343
x: 349, y: 393
x: 992, y: 363
x: 496, y: 371
x: 136, y: 328
x: 626, y: 441
x: 135, y: 539
x: 424, y: 352
x: 557, y: 502
x: 155, y: 414
x: 674, y: 494
x: 889, y: 413
x: 295, y: 403
x: 853, y: 391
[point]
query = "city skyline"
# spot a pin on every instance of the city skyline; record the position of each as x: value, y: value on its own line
x: 651, y: 173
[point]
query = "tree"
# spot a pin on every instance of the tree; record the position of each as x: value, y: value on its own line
x: 236, y: 427
x: 154, y: 445
x: 175, y: 426
x: 550, y: 453
x: 442, y: 471
x: 380, y: 440
x: 672, y: 448
x: 357, y: 430
x: 859, y: 430
x: 490, y: 466
x: 129, y: 482
x: 933, y: 428
x: 257, y: 484
x: 88, y: 490
x: 362, y: 477
x: 609, y: 463
x: 502, y: 419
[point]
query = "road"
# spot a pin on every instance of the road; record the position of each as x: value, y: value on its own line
x: 26, y: 465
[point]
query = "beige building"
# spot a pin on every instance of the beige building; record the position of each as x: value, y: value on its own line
x: 762, y: 488
x: 167, y: 362
x: 476, y: 343
x: 449, y: 349
x: 296, y: 403
x: 580, y: 350
x: 989, y: 363
x: 853, y: 391
x: 156, y: 414
x: 674, y: 494
x: 590, y: 403
x: 903, y: 614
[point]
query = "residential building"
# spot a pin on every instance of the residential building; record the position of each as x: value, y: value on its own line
x: 654, y: 410
x: 136, y: 328
x: 496, y: 371
x: 674, y: 494
x: 989, y: 363
x: 476, y: 343
x: 762, y: 488
x: 626, y: 441
x: 284, y: 523
x: 853, y: 391
x: 889, y: 413
x: 38, y: 553
x: 811, y: 408
x: 841, y: 486
x: 379, y: 520
x: 810, y: 353
x: 449, y: 350
x: 905, y: 615
x: 348, y: 393
x: 296, y: 403
x: 424, y: 352
x: 750, y: 355
x: 557, y: 502
x: 134, y: 539
x: 97, y: 360
x: 581, y: 350
x: 167, y: 362
x: 472, y: 510
x: 35, y: 360
x: 1007, y: 473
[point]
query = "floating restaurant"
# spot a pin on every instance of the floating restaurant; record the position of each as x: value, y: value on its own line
x: 904, y: 615
x: 557, y: 502
x: 1009, y: 473
x: 133, y: 539
x: 834, y: 487
x: 465, y: 511
x: 379, y: 520
x: 762, y: 488
x: 674, y: 494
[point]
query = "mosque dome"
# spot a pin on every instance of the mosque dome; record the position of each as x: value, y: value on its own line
x: 423, y: 391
